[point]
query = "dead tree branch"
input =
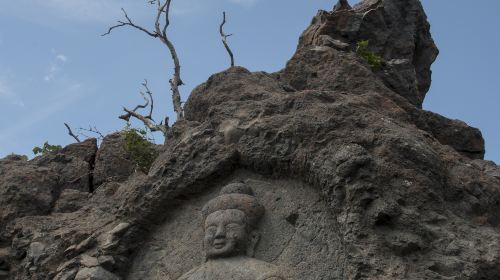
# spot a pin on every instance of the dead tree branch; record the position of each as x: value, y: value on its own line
x: 148, y: 119
x: 148, y: 122
x: 131, y: 24
x: 70, y: 132
x: 148, y: 92
x: 176, y: 80
x: 91, y: 129
x: 147, y: 102
x: 224, y: 38
x: 161, y: 24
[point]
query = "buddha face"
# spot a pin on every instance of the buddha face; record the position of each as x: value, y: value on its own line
x: 226, y: 234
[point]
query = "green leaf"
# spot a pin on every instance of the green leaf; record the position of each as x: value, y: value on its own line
x: 140, y: 149
x: 375, y: 61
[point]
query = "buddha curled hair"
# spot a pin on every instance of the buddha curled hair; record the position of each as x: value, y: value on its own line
x: 237, y: 196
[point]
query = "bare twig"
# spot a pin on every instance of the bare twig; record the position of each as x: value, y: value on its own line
x: 70, y: 132
x: 129, y: 23
x: 91, y: 129
x: 160, y: 32
x: 147, y: 102
x: 224, y: 38
x: 148, y: 92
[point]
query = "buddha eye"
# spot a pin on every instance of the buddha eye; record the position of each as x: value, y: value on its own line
x: 233, y: 226
x: 211, y: 229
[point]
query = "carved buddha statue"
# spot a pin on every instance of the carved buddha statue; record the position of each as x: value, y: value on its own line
x: 230, y: 227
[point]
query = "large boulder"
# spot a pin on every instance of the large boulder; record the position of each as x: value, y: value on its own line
x: 397, y: 31
x: 326, y: 68
x: 113, y: 163
x: 461, y: 137
x: 73, y: 164
x: 26, y: 189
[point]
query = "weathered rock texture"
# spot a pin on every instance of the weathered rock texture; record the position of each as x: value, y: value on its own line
x: 396, y: 192
x: 398, y: 31
x: 113, y: 163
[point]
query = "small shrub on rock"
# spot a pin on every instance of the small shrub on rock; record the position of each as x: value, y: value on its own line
x: 140, y: 148
x: 46, y: 148
x: 374, y: 60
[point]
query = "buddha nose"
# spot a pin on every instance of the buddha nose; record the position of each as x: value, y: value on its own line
x: 220, y: 233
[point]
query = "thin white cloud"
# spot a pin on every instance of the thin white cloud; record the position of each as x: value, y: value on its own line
x: 62, y: 58
x: 55, y: 67
x: 51, y: 73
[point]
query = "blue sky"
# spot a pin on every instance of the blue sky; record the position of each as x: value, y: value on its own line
x: 55, y: 67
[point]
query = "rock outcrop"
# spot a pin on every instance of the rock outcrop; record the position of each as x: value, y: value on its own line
x: 361, y: 182
x: 113, y: 163
x: 398, y: 31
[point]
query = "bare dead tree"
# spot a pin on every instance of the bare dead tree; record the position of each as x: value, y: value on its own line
x: 83, y: 132
x: 146, y: 119
x: 160, y: 32
x: 93, y: 130
x: 70, y: 132
x: 224, y: 38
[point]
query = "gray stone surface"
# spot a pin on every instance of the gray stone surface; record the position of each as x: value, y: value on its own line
x: 457, y: 134
x: 25, y: 189
x: 33, y: 187
x: 325, y: 40
x: 489, y: 167
x: 70, y: 201
x: 95, y: 273
x: 73, y: 164
x: 113, y: 163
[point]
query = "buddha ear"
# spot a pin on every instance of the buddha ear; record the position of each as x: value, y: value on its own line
x: 204, y: 247
x: 253, y: 240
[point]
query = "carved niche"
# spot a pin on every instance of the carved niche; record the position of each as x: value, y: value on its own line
x: 247, y: 228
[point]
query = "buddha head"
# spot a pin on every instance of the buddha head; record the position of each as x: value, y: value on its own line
x: 230, y: 222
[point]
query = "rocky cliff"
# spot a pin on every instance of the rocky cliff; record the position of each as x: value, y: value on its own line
x: 392, y: 191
